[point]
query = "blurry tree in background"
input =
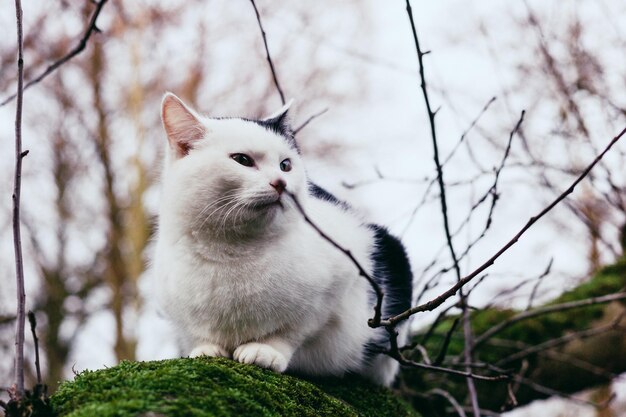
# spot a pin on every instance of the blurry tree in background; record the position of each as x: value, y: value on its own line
x: 573, y: 80
x: 94, y: 126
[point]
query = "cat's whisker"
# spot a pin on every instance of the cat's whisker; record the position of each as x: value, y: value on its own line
x: 241, y: 205
x: 233, y: 210
x: 241, y: 211
x: 232, y: 199
x: 200, y: 216
x: 222, y: 207
x: 206, y: 218
x: 238, y: 203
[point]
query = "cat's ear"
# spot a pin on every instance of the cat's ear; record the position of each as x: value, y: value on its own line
x: 279, y: 120
x: 182, y: 125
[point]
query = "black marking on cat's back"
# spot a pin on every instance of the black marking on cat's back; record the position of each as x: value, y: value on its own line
x: 321, y: 194
x: 391, y: 266
x: 392, y: 271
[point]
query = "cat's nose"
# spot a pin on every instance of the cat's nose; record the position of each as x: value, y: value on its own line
x: 279, y: 185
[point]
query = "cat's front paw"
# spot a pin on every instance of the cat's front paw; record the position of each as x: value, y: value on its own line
x: 261, y: 355
x: 209, y: 349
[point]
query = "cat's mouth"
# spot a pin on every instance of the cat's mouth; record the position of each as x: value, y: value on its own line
x: 267, y: 204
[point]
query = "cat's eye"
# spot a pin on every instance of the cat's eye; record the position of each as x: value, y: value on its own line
x: 243, y: 159
x: 285, y: 165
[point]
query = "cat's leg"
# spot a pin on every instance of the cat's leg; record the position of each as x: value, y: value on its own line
x: 209, y: 349
x: 273, y: 353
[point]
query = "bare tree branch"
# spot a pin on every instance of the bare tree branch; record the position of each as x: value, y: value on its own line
x: 444, y: 207
x: 470, y: 127
x: 552, y: 392
x: 433, y: 134
x: 33, y: 328
x: 453, y: 402
x: 468, y: 336
x: 436, y: 302
x: 561, y: 356
x: 446, y: 160
x: 446, y: 342
x: 536, y: 286
x: 546, y: 310
x: 17, y: 239
x: 309, y: 120
x: 91, y: 28
x: 614, y: 325
x: 466, y: 374
x: 269, y: 58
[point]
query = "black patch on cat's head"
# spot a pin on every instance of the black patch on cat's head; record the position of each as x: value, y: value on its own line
x: 284, y: 129
x: 281, y: 126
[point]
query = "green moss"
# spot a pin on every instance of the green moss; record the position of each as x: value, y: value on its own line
x: 216, y: 387
x: 609, y: 280
x: 367, y: 399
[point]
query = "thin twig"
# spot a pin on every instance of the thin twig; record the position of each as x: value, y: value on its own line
x: 91, y: 28
x: 436, y: 302
x: 466, y: 132
x: 511, y: 400
x: 453, y: 402
x: 549, y: 391
x: 547, y: 310
x: 442, y: 191
x: 467, y: 327
x: 444, y: 163
x: 468, y: 344
x: 375, y: 320
x: 552, y: 343
x: 552, y: 392
x: 466, y: 374
x: 574, y: 361
x: 394, y: 352
x: 33, y: 328
x: 516, y: 385
x: 424, y: 352
x: 446, y: 342
x: 267, y: 52
x: 492, y: 191
x: 561, y: 356
x: 433, y: 134
x: 444, y: 205
x: 17, y: 238
x: 536, y: 286
x: 309, y: 120
x: 483, y: 412
x: 434, y: 325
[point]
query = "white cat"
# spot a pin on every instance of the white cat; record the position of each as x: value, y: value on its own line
x: 240, y: 273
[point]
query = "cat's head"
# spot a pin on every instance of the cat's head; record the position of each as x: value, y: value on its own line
x: 229, y: 175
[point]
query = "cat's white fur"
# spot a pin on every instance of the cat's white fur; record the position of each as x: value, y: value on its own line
x: 258, y: 284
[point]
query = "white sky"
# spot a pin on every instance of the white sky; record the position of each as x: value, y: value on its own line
x: 389, y: 130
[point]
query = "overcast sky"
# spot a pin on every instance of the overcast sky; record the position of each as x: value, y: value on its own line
x: 475, y: 48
